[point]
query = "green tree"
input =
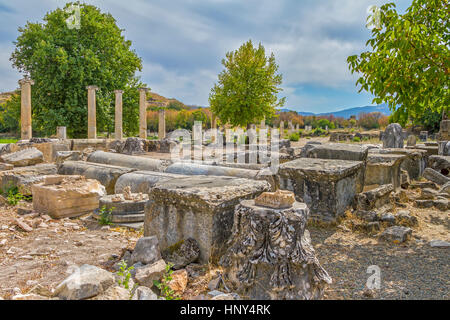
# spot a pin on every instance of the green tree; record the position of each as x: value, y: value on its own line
x: 247, y: 89
x: 63, y: 61
x: 408, y: 67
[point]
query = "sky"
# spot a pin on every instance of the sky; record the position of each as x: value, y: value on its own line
x: 182, y: 43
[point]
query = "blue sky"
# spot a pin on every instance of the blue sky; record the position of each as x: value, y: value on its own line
x: 182, y: 43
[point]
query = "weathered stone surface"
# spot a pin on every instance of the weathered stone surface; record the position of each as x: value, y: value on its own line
x: 62, y: 156
x: 97, y: 144
x: 445, y: 188
x: 124, y: 210
x: 439, y: 244
x: 23, y: 158
x: 197, y: 207
x: 339, y: 151
x: 24, y: 177
x: 133, y: 146
x: 404, y: 218
x: 440, y: 164
x: 66, y: 196
x: 6, y: 166
x: 86, y: 282
x: 28, y: 297
x: 122, y: 160
x: 144, y: 293
x: 194, y: 169
x: 114, y: 293
x: 145, y: 275
x: 270, y: 255
x: 383, y: 169
x: 374, y: 198
x: 396, y: 234
x: 435, y: 177
x: 441, y: 204
x: 414, y: 163
x: 411, y: 141
x: 182, y: 253
x: 444, y: 148
x: 328, y: 187
x: 179, y: 281
x: 278, y: 200
x: 393, y: 137
x: 143, y: 181
x: 430, y: 150
x: 146, y: 250
x: 162, y: 146
x: 106, y: 174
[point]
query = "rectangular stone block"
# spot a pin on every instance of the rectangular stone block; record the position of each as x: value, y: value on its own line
x: 328, y: 187
x: 66, y: 196
x: 24, y: 177
x: 339, y: 151
x: 199, y: 207
x: 383, y: 169
x: 414, y: 162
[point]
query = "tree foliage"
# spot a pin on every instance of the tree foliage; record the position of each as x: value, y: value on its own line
x: 409, y: 63
x: 247, y: 88
x: 63, y: 61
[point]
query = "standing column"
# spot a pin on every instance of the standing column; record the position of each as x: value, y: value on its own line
x: 281, y: 129
x: 162, y: 124
x: 92, y: 116
x: 25, y: 108
x: 118, y: 116
x: 143, y: 113
x: 213, y: 128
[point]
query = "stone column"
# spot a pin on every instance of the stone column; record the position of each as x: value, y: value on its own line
x: 162, y: 124
x: 25, y: 109
x: 92, y: 117
x: 143, y: 113
x: 118, y: 132
x: 281, y: 129
x: 61, y: 133
x: 214, y: 128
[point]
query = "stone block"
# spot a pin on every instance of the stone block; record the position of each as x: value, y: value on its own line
x: 328, y: 187
x: 66, y: 196
x: 393, y: 136
x: 24, y: 177
x: 435, y: 177
x: 374, y: 198
x: 440, y: 164
x: 414, y: 163
x: 338, y: 151
x: 383, y: 169
x: 198, y: 207
x: 23, y: 158
x: 106, y: 174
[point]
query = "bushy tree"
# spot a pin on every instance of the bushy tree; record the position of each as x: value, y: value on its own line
x: 408, y: 66
x: 247, y: 88
x: 63, y: 61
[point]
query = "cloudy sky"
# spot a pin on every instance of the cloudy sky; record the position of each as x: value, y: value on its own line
x: 182, y: 43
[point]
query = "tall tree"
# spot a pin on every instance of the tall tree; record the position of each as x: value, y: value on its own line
x: 247, y: 88
x: 63, y: 60
x: 408, y: 66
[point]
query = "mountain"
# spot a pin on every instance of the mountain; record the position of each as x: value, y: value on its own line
x: 346, y: 113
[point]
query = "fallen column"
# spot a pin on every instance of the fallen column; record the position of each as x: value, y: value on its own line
x: 328, y: 187
x: 106, y: 174
x: 270, y: 256
x: 122, y: 160
x: 197, y: 207
x: 143, y: 181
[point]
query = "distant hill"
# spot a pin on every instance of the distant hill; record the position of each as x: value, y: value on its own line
x: 347, y: 113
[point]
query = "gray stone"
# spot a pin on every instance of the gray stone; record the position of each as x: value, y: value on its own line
x: 396, y: 234
x: 439, y: 244
x: 143, y: 181
x: 133, y: 146
x: 441, y: 204
x: 374, y: 198
x: 24, y: 158
x: 423, y: 136
x: 440, y: 164
x: 328, y: 187
x: 86, y: 282
x: 146, y: 250
x: 182, y: 253
x: 444, y: 148
x: 107, y: 175
x: 414, y: 162
x: 445, y: 188
x: 383, y: 169
x: 270, y: 256
x: 124, y: 210
x: 339, y: 151
x: 62, y: 156
x: 144, y: 293
x: 411, y: 141
x: 197, y: 207
x: 388, y: 218
x: 128, y: 161
x: 114, y: 293
x: 145, y: 275
x: 369, y: 216
x: 404, y: 218
x: 424, y: 204
x: 393, y: 137
x: 6, y: 166
x: 435, y: 177
x: 25, y: 177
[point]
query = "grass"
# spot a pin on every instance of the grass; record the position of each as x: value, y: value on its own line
x: 8, y: 140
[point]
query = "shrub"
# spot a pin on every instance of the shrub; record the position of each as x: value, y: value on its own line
x: 294, y: 136
x: 356, y: 139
